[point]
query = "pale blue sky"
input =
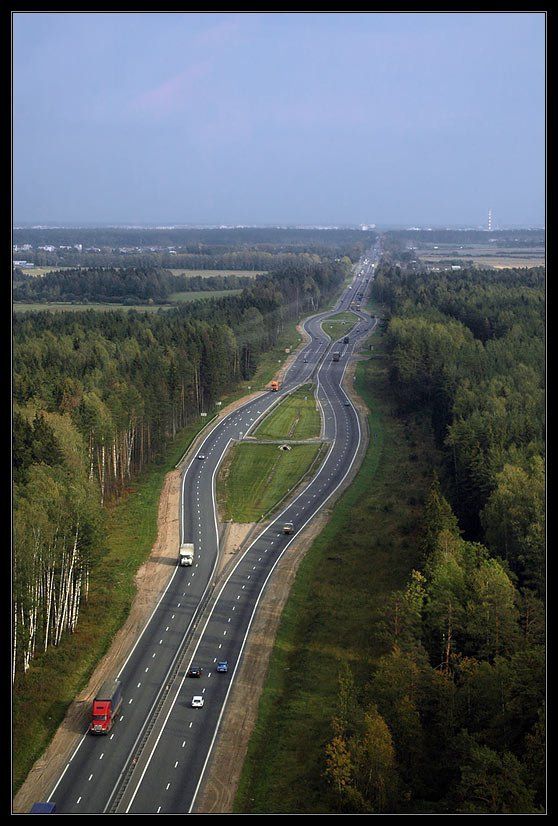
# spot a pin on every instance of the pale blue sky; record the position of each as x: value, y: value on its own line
x: 288, y: 118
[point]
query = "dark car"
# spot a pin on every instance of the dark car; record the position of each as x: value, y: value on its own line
x: 223, y: 667
x: 195, y: 671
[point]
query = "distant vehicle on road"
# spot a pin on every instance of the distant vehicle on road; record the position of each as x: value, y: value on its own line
x: 223, y: 667
x: 195, y: 671
x: 288, y: 527
x: 197, y: 701
x: 347, y: 403
x: 336, y: 356
x: 274, y: 386
x: 106, y: 706
x: 305, y: 360
x: 201, y: 456
x: 346, y: 340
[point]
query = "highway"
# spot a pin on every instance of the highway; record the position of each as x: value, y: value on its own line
x: 154, y: 758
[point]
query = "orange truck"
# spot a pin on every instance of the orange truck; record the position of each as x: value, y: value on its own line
x: 275, y: 385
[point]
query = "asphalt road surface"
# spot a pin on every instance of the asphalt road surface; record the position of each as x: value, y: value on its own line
x: 154, y: 758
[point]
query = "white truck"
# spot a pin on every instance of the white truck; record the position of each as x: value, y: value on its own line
x: 186, y: 553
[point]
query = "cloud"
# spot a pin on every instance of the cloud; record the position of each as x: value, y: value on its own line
x: 174, y: 93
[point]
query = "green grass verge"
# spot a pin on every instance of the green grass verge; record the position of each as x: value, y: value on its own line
x: 297, y: 417
x: 41, y: 699
x: 255, y: 478
x: 197, y: 295
x: 339, y: 324
x: 332, y: 614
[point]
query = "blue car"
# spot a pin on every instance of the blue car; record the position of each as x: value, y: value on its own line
x: 223, y: 667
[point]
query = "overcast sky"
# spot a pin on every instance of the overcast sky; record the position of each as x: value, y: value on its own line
x: 279, y: 118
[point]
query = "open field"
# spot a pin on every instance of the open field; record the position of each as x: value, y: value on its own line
x: 333, y: 614
x: 255, y: 477
x: 39, y: 271
x: 131, y: 532
x: 52, y: 306
x: 297, y: 417
x: 496, y: 262
x: 196, y: 295
x: 209, y: 273
x: 176, y: 298
x: 483, y: 255
x: 339, y: 324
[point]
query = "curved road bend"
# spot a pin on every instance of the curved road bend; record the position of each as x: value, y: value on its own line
x: 166, y: 778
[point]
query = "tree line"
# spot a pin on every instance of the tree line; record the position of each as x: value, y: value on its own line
x: 97, y: 395
x: 209, y: 240
x: 503, y: 237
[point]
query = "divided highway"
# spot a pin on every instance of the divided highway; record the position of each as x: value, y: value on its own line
x: 154, y: 759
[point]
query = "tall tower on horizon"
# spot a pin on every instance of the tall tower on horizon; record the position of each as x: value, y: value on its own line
x: 489, y: 220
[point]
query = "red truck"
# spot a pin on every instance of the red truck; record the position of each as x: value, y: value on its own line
x: 106, y: 706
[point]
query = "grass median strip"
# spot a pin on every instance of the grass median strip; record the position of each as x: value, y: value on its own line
x: 256, y: 477
x: 297, y: 417
x: 339, y: 324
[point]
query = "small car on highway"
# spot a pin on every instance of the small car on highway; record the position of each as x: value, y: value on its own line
x: 223, y: 667
x: 195, y: 671
x: 201, y: 456
x: 288, y: 527
x: 197, y: 701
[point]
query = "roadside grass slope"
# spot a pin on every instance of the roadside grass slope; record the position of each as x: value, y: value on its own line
x: 334, y: 611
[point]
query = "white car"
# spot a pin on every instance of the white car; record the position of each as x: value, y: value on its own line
x: 197, y: 701
x: 201, y: 456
